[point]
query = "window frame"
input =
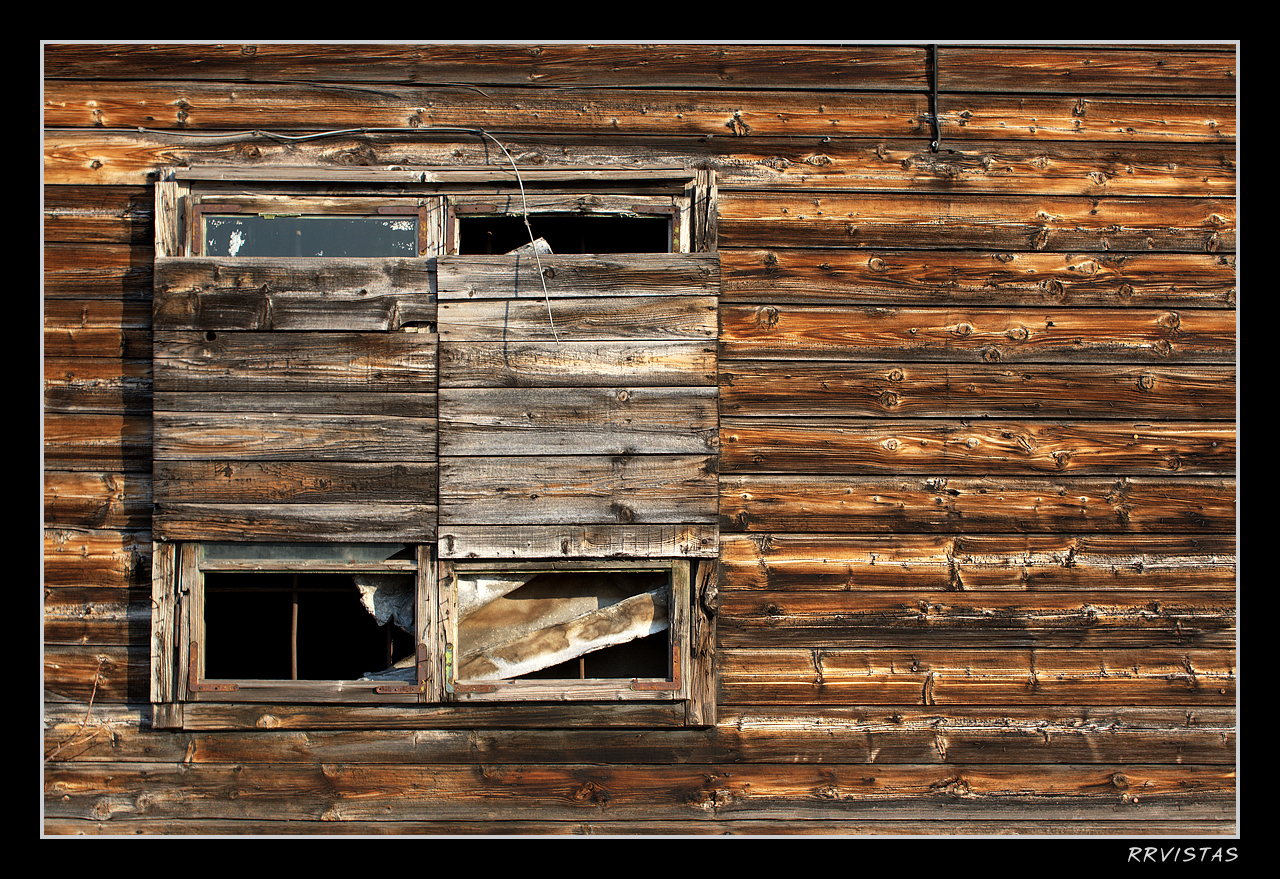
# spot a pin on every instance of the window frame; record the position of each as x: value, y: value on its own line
x: 673, y: 686
x: 437, y: 198
x: 192, y: 567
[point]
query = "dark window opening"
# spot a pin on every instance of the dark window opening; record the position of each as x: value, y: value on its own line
x: 250, y: 629
x: 566, y: 233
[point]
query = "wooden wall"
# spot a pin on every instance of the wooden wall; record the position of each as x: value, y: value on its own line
x: 977, y: 409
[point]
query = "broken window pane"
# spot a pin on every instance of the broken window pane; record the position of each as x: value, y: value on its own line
x: 563, y: 624
x: 297, y: 612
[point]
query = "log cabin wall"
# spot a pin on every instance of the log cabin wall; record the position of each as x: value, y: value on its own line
x: 977, y: 468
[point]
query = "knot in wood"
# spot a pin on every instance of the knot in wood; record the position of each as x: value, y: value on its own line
x: 1052, y: 288
x: 767, y: 317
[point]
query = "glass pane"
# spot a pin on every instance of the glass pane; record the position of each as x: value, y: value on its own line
x: 277, y: 235
x: 304, y: 552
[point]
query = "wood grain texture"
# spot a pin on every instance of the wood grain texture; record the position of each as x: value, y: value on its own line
x: 562, y: 490
x: 870, y: 390
x: 1028, y: 503
x: 1022, y: 564
x: 979, y: 335
x: 574, y: 792
x: 198, y: 361
x: 292, y: 294
x: 1033, y: 223
x: 578, y: 421
x: 1027, y: 623
x: 972, y: 166
x: 1184, y: 69
x: 572, y: 363
x: 941, y: 676
x: 927, y: 446
x: 724, y: 112
x: 930, y: 278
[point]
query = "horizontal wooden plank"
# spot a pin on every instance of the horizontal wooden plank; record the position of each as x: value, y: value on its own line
x: 840, y: 277
x: 577, y: 421
x: 294, y: 482
x: 1036, y: 223
x: 576, y: 792
x: 107, y: 271
x: 644, y: 489
x: 105, y: 222
x: 100, y: 313
x: 268, y: 436
x: 1181, y: 566
x: 107, y: 385
x: 1095, y: 620
x: 516, y: 276
x: 852, y: 446
x: 1217, y: 819
x: 1136, y: 69
x: 1127, y: 69
x: 388, y: 405
x: 1009, y: 735
x: 87, y: 499
x: 105, y: 674
x: 295, y: 362
x: 292, y: 294
x: 987, y: 335
x: 97, y: 616
x: 198, y: 106
x: 319, y: 522
x: 572, y: 363
x: 549, y: 65
x: 110, y: 558
x: 578, y: 541
x: 775, y: 388
x: 973, y: 504
x: 971, y: 166
x: 972, y: 677
x: 103, y: 343
x: 658, y: 318
x: 79, y: 441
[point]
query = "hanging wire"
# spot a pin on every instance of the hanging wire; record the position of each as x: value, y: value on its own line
x: 933, y: 100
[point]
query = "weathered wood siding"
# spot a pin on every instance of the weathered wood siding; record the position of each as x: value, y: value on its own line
x: 977, y: 475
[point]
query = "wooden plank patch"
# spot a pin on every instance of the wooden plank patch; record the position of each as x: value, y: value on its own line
x: 578, y: 490
x: 516, y: 277
x: 578, y: 421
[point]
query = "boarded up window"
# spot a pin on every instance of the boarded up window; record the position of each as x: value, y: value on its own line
x: 300, y: 402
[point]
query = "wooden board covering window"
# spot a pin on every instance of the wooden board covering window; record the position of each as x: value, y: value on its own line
x: 292, y: 402
x: 579, y: 422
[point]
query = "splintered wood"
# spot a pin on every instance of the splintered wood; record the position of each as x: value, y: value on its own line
x: 513, y: 625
